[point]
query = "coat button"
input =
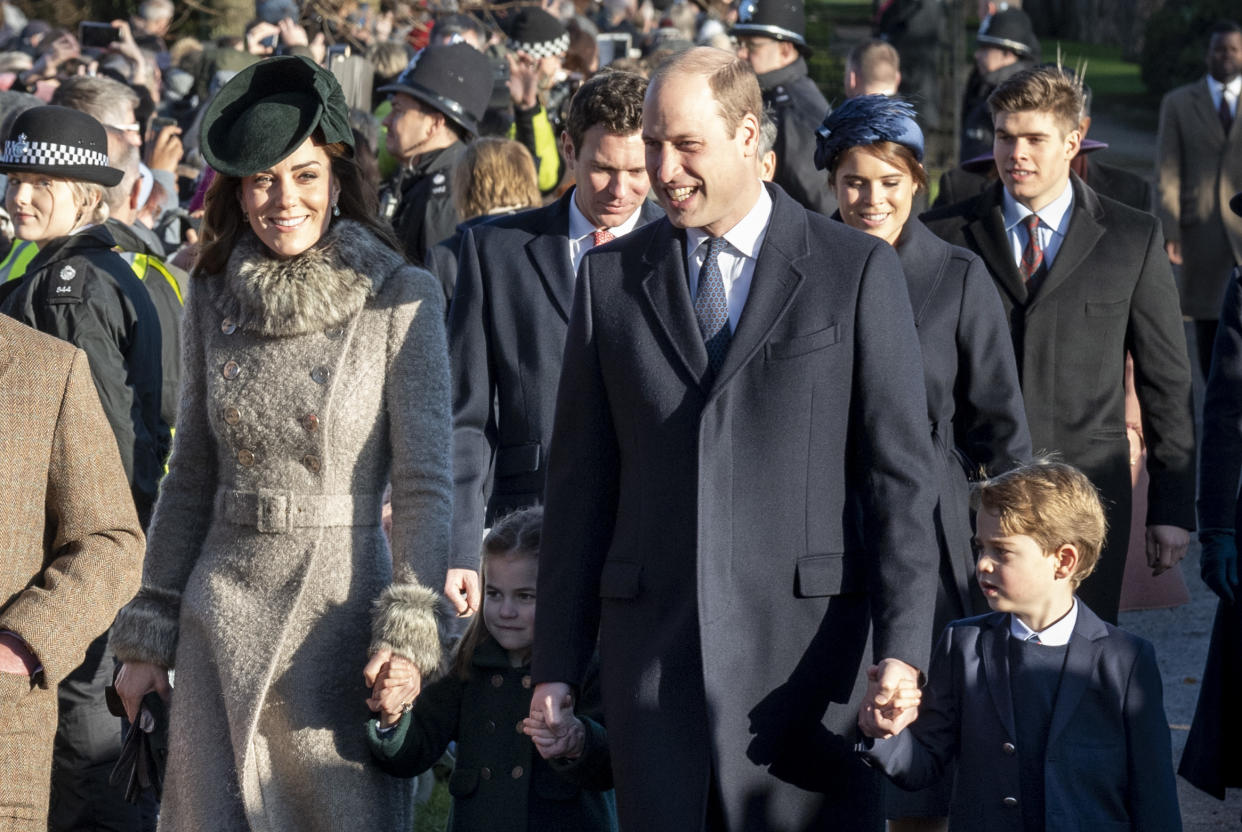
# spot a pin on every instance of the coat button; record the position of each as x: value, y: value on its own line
x: 519, y: 727
x: 230, y: 370
x: 335, y: 332
x: 319, y: 375
x: 526, y: 682
x: 232, y: 415
x: 311, y: 422
x: 228, y: 326
x: 245, y: 457
x: 489, y: 727
x: 485, y: 773
x: 498, y: 680
x: 1010, y: 802
x: 517, y: 772
x: 1008, y: 748
x: 312, y: 463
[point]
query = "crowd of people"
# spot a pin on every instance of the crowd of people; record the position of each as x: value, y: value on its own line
x: 329, y: 347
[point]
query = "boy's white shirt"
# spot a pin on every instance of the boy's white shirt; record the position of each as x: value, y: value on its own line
x: 1055, y: 635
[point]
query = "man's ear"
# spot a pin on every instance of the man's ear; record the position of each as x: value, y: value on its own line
x: 133, y: 194
x: 750, y: 134
x: 567, y: 149
x: 1067, y: 561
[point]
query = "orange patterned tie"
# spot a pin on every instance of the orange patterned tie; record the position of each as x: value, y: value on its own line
x: 603, y: 236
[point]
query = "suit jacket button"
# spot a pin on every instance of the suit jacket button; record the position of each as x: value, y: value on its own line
x: 1010, y: 802
x: 232, y: 415
x: 517, y: 772
x: 1008, y: 748
x: 312, y: 463
x: 485, y: 773
x: 230, y: 370
x: 490, y: 727
x: 498, y: 680
x: 319, y: 375
x: 245, y: 457
x: 228, y: 326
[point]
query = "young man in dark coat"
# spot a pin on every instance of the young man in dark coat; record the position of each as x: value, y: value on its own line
x: 739, y: 505
x: 507, y: 324
x: 1084, y: 280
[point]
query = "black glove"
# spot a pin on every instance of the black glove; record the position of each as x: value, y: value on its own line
x: 1218, y: 562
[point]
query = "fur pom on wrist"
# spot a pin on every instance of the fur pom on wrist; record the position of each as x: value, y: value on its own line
x: 145, y: 630
x: 410, y: 620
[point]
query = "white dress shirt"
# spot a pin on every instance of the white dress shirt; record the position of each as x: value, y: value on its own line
x: 581, y: 230
x: 1230, y: 91
x: 1053, y: 224
x: 737, y: 260
x: 1051, y: 636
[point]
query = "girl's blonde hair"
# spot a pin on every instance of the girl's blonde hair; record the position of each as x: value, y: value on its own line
x: 517, y: 534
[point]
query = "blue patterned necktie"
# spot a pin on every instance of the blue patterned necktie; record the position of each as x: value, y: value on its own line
x: 711, y: 307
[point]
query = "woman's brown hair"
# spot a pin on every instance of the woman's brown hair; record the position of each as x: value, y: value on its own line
x: 223, y: 224
x: 494, y: 173
x: 897, y: 155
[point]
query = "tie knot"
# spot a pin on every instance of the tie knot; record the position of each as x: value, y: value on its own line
x: 715, y: 245
x: 1032, y: 222
x: 603, y: 236
x: 1034, y: 638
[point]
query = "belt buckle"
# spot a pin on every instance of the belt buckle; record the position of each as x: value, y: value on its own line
x: 272, y: 511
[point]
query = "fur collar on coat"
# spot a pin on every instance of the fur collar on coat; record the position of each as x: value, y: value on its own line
x: 320, y: 288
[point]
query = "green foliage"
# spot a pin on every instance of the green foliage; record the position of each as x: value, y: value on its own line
x: 432, y: 816
x: 826, y: 69
x: 1176, y: 41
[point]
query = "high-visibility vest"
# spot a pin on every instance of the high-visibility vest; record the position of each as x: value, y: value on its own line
x: 15, y: 262
x: 142, y: 263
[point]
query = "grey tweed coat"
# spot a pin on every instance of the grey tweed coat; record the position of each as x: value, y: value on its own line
x: 306, y: 383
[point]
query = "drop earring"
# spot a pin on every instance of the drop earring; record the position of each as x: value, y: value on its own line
x: 336, y: 210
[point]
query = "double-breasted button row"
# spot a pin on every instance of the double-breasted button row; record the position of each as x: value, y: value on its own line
x: 245, y: 456
x: 311, y: 422
x: 320, y: 375
x: 1009, y: 802
x: 230, y: 370
x: 228, y: 326
x: 1009, y: 748
x: 232, y: 415
x: 312, y: 463
x: 485, y: 773
x: 517, y: 772
x: 498, y: 680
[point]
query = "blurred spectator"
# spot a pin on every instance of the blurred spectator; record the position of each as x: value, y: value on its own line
x: 109, y: 102
x: 459, y: 28
x: 150, y: 25
x: 1005, y: 45
x: 871, y: 68
x: 537, y: 44
x: 767, y: 147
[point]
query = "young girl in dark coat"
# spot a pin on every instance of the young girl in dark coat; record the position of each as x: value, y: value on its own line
x: 500, y: 781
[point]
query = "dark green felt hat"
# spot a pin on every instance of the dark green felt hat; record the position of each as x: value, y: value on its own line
x: 268, y: 110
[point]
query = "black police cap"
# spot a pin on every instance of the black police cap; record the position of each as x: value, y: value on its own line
x: 455, y: 79
x: 776, y: 19
x: 59, y: 142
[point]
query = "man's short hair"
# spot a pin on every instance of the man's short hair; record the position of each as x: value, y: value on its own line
x: 1225, y: 27
x: 1052, y: 503
x: 767, y: 133
x: 612, y: 99
x: 875, y: 62
x: 1045, y: 89
x: 101, y: 98
x: 123, y: 156
x: 156, y: 10
x: 731, y: 80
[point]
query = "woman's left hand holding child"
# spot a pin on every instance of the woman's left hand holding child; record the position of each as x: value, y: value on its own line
x: 395, y: 684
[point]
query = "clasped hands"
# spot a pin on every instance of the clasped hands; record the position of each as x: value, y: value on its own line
x: 892, y: 699
x: 552, y: 725
x: 395, y: 683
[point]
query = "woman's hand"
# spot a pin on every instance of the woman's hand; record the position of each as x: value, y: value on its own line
x: 135, y: 680
x: 395, y: 683
x: 461, y: 587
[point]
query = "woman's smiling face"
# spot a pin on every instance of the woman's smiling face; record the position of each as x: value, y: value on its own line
x: 290, y: 204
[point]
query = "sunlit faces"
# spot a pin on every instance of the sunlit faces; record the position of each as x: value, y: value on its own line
x: 610, y: 173
x: 874, y: 195
x: 765, y: 54
x: 42, y: 207
x: 1033, y: 153
x: 410, y: 126
x: 290, y: 204
x: 704, y: 175
x: 509, y: 602
x: 1017, y: 576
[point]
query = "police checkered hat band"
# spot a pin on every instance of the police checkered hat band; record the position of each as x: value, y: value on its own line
x: 538, y: 34
x: 59, y: 141
x: 546, y: 49
x: 22, y: 151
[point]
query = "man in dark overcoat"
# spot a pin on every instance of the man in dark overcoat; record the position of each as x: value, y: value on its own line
x: 507, y: 324
x: 738, y: 503
x: 1084, y: 279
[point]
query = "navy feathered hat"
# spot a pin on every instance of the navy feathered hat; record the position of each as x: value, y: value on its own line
x: 867, y: 119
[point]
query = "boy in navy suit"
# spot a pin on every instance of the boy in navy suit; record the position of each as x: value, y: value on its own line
x: 1056, y: 718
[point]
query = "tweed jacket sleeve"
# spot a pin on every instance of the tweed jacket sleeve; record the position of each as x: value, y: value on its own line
x: 94, y: 543
x: 146, y: 629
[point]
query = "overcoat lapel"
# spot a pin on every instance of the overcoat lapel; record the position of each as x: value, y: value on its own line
x: 549, y: 252
x: 1080, y: 660
x: 995, y: 649
x: 1080, y: 238
x: 666, y: 288
x: 1207, y: 114
x: 987, y: 233
x: 918, y: 246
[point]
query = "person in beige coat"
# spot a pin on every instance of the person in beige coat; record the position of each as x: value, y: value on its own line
x: 315, y: 371
x: 71, y: 550
x: 1199, y: 166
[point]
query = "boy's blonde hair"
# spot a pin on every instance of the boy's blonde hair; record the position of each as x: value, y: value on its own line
x: 1052, y: 503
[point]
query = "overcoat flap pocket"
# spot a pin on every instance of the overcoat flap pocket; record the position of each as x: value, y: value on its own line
x: 519, y: 459
x: 822, y: 575
x: 803, y: 344
x: 463, y: 782
x: 1107, y: 309
x: 619, y: 579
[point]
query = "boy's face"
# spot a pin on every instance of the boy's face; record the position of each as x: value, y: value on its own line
x: 1017, y: 576
x: 1033, y: 154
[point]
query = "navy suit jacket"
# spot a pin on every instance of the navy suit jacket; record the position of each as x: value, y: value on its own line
x: 507, y: 324
x: 1108, y: 765
x: 741, y: 543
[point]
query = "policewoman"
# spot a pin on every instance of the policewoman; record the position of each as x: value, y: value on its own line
x: 314, y: 371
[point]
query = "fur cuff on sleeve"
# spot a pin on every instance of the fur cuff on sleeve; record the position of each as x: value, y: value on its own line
x: 410, y: 620
x: 145, y: 629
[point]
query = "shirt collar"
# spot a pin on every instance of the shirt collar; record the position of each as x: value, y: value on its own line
x: 747, y: 236
x: 580, y: 226
x: 1234, y: 87
x: 1053, y: 636
x: 1050, y: 215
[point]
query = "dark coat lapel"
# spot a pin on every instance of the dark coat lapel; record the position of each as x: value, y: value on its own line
x: 994, y: 647
x: 667, y: 290
x: 923, y: 258
x: 1084, y: 649
x: 772, y: 286
x: 987, y: 235
x: 548, y: 250
x: 1083, y: 233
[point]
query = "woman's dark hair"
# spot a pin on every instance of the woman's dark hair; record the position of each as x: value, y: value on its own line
x: 223, y: 223
x: 516, y: 535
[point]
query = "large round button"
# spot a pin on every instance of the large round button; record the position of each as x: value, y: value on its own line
x: 526, y: 682
x: 311, y: 422
x: 230, y: 370
x: 517, y: 772
x: 497, y: 680
x: 485, y: 773
x: 319, y: 375
x: 228, y: 326
x: 312, y: 463
x: 489, y: 727
x: 520, y: 728
x: 246, y: 457
x: 1010, y: 802
x: 1008, y: 748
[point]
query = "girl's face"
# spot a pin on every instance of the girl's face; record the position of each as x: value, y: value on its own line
x: 874, y: 195
x: 290, y: 204
x: 42, y: 207
x: 509, y: 603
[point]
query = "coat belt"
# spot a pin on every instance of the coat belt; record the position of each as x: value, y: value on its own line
x: 276, y: 511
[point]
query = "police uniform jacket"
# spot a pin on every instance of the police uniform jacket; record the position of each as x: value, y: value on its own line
x: 425, y: 214
x: 81, y: 291
x: 798, y: 107
x: 977, y: 129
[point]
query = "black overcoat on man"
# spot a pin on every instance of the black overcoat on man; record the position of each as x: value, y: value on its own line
x: 507, y: 324
x: 1109, y: 290
x: 798, y: 108
x: 743, y: 544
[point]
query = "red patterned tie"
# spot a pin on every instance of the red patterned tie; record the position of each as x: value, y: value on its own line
x: 1033, y: 254
x: 603, y: 236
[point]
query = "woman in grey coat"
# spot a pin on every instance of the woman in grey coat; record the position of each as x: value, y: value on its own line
x: 314, y: 373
